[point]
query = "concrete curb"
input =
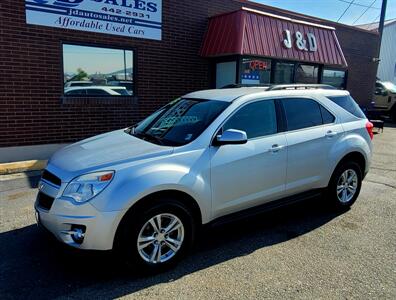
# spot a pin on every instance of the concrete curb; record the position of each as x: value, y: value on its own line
x: 22, y: 166
x: 18, y: 181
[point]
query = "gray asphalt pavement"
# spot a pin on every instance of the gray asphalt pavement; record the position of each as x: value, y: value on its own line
x: 303, y: 251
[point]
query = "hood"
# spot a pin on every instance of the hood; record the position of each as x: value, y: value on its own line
x: 105, y: 150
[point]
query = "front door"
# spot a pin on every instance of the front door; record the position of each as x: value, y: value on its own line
x: 250, y: 174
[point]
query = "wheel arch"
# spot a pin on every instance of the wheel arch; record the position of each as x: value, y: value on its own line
x: 355, y: 156
x: 178, y: 196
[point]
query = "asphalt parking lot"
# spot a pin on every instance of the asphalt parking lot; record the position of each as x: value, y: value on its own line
x: 304, y: 251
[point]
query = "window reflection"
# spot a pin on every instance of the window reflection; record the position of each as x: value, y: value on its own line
x: 334, y: 78
x: 96, y: 71
x: 307, y: 74
x: 284, y: 73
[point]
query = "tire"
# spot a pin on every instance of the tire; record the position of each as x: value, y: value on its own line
x: 346, y: 174
x: 138, y: 229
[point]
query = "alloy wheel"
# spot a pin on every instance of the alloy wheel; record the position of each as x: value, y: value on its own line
x: 347, y: 186
x: 160, y: 238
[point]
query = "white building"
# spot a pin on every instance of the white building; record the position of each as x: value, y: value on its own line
x: 387, y: 65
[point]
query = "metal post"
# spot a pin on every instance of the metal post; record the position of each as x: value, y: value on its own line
x: 381, y: 24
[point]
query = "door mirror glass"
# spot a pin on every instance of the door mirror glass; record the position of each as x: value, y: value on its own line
x: 231, y: 136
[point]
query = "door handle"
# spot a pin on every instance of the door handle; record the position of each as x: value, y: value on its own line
x: 276, y: 148
x: 331, y: 133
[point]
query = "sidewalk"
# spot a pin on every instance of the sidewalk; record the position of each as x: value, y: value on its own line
x: 22, y: 166
x: 21, y: 174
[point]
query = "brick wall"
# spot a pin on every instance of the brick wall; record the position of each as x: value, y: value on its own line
x: 31, y: 110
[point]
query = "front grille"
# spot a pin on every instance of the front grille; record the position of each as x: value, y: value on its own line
x: 48, y: 176
x: 44, y: 201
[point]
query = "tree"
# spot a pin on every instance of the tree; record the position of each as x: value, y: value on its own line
x: 81, y: 75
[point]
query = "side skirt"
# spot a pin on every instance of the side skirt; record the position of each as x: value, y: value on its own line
x: 256, y: 210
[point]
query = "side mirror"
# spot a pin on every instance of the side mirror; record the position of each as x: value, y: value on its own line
x: 231, y: 137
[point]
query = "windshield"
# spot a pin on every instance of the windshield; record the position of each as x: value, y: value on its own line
x: 389, y: 86
x: 179, y: 122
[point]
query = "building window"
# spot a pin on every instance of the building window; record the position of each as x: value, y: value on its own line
x: 334, y: 78
x: 97, y: 71
x: 225, y: 74
x: 256, y: 71
x: 307, y: 74
x: 284, y: 73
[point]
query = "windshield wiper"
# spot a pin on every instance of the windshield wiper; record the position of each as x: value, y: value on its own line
x: 148, y: 137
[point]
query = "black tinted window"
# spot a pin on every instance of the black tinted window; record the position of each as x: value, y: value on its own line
x: 97, y: 92
x: 301, y: 113
x: 80, y: 92
x: 256, y: 119
x: 347, y: 103
x: 326, y: 115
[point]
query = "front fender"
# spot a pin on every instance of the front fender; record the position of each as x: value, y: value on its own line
x: 187, y: 172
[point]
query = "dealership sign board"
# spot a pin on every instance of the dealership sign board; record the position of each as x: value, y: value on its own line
x: 133, y: 18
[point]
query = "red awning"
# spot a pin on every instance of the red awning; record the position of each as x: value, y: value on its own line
x: 251, y: 32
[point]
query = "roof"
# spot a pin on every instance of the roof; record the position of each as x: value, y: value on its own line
x: 252, y: 32
x: 301, y: 16
x: 374, y: 26
x: 229, y: 95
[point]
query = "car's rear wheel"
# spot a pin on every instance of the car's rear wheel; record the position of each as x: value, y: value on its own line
x: 345, y: 184
x: 156, y: 237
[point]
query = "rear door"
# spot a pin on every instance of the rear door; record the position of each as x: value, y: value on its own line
x: 311, y: 133
x: 250, y: 174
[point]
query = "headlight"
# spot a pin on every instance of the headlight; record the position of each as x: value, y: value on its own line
x: 85, y: 187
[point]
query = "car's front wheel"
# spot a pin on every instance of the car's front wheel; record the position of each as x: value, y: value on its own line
x: 345, y: 184
x: 156, y: 237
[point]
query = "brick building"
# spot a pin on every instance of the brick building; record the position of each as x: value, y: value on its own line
x: 42, y: 100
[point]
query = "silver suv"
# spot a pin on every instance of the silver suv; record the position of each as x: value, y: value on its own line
x: 145, y: 191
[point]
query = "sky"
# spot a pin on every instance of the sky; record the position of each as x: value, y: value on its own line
x: 94, y: 60
x: 333, y: 9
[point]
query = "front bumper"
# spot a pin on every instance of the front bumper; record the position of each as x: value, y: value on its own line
x: 63, y: 215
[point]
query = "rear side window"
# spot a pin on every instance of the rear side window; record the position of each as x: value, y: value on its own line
x: 327, y: 117
x: 302, y: 113
x: 256, y: 119
x: 347, y: 103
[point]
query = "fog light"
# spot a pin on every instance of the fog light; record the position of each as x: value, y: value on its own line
x: 78, y: 233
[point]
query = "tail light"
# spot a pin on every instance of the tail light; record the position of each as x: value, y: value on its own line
x: 369, y: 127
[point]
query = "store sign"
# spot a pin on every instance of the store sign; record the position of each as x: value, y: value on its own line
x: 302, y: 43
x: 258, y: 65
x: 133, y: 18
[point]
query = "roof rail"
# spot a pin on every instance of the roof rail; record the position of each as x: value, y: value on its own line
x: 277, y: 87
x: 240, y: 85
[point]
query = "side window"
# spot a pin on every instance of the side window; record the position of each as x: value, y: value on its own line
x: 327, y: 117
x: 79, y: 92
x: 347, y: 103
x: 256, y: 119
x: 301, y: 113
x: 97, y: 92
